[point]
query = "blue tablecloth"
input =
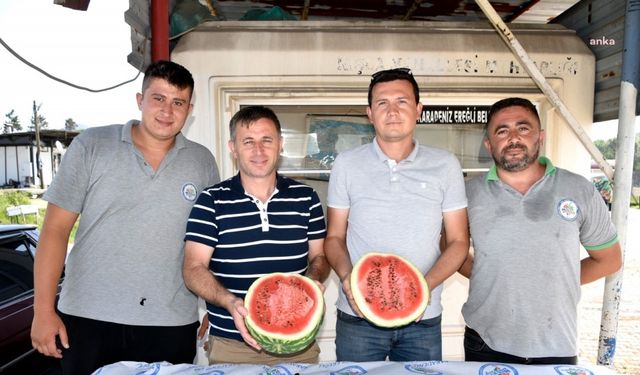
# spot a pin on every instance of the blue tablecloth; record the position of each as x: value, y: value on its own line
x: 352, y: 368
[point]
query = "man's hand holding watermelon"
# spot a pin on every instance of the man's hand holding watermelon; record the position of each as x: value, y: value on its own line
x: 238, y: 312
x: 346, y: 288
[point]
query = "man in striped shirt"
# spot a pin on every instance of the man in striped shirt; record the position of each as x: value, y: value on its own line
x: 252, y: 224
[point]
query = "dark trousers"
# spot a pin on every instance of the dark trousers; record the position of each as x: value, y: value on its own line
x: 476, y: 350
x: 94, y: 344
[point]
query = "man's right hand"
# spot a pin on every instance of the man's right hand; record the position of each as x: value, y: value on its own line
x: 346, y: 288
x: 238, y: 313
x: 44, y: 330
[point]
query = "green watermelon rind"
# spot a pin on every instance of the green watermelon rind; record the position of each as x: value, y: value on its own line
x: 286, y: 344
x: 363, y: 305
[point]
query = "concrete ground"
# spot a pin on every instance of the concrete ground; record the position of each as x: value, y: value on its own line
x: 627, y: 355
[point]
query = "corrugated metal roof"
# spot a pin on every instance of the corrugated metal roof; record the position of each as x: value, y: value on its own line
x: 600, y: 23
x: 187, y: 14
x: 536, y: 11
x: 593, y: 20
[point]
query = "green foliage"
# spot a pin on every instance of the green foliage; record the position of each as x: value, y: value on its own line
x: 11, y: 123
x: 14, y: 198
x: 70, y: 125
x: 17, y: 198
x: 608, y: 149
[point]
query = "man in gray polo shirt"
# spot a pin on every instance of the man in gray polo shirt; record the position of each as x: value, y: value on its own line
x: 527, y: 220
x: 394, y: 195
x: 133, y: 186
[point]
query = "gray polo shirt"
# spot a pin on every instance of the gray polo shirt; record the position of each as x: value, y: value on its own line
x: 125, y: 266
x: 396, y: 207
x: 525, y: 282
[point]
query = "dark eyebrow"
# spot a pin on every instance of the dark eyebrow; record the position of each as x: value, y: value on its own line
x: 499, y: 126
x: 520, y: 122
x: 179, y: 100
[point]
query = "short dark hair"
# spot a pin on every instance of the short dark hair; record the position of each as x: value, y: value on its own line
x: 248, y: 115
x: 388, y: 75
x: 174, y: 73
x: 511, y: 102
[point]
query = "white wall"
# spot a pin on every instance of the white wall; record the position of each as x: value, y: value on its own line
x: 16, y: 164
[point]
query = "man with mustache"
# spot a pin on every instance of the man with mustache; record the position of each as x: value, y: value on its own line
x: 528, y: 220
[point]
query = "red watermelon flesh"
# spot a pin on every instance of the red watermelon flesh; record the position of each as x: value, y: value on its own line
x: 285, y: 312
x: 389, y: 290
x: 283, y: 305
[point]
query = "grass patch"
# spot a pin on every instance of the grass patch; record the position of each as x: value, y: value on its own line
x: 17, y: 198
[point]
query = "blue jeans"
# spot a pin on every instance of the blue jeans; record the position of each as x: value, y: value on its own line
x: 359, y: 341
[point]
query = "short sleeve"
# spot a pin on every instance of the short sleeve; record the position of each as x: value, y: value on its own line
x: 317, y: 226
x: 201, y: 225
x: 338, y: 194
x: 455, y: 196
x: 71, y: 183
x: 597, y: 230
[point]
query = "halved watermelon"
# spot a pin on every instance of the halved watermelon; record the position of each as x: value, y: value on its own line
x: 388, y: 289
x: 285, y: 312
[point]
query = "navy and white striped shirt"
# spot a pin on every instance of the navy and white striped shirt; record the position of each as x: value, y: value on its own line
x: 251, y: 238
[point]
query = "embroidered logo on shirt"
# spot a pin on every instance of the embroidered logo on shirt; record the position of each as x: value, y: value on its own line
x: 568, y: 209
x: 189, y: 192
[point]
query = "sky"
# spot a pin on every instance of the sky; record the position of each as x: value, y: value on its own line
x: 87, y: 48
x: 609, y: 129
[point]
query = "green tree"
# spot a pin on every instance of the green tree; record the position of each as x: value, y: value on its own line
x: 11, y: 123
x: 38, y: 117
x: 607, y: 147
x: 70, y: 125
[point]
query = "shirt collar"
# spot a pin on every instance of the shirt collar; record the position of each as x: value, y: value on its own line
x: 383, y: 157
x: 126, y: 131
x: 282, y: 183
x: 550, y: 169
x: 128, y: 127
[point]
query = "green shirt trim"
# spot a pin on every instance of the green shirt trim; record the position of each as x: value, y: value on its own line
x: 492, y: 175
x: 604, y: 245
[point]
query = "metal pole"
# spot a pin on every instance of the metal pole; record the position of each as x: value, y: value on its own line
x: 623, y: 176
x: 36, y: 117
x: 544, y: 86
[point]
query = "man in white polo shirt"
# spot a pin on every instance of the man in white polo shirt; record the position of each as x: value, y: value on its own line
x: 394, y: 195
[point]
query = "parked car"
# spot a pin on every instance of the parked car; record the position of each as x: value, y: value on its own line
x: 17, y: 251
